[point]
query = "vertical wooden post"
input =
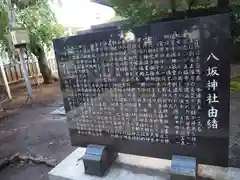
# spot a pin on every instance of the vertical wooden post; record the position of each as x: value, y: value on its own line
x: 5, y: 79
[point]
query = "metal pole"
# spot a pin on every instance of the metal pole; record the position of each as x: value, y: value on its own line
x: 24, y: 70
x: 19, y: 50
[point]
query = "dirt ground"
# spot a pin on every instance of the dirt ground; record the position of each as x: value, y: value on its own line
x: 30, y: 128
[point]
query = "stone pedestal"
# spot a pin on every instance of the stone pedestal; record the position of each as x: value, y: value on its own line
x: 131, y: 167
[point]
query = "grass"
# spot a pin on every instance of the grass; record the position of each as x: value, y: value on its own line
x: 235, y: 84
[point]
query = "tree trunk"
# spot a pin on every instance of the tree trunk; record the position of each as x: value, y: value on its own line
x: 38, y: 51
x: 190, y: 4
x: 173, y: 6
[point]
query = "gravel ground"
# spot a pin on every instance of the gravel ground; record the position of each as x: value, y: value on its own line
x: 32, y: 129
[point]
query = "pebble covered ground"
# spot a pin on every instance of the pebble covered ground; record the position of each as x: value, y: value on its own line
x: 32, y: 129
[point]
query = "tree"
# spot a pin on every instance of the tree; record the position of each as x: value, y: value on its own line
x: 4, y: 28
x: 145, y: 11
x: 223, y: 3
x: 40, y: 22
x: 38, y: 19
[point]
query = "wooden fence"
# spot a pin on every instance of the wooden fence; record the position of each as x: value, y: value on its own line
x: 14, y: 72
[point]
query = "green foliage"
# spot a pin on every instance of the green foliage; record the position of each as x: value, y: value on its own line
x: 40, y: 22
x: 137, y: 11
x: 145, y: 11
x: 34, y: 15
x: 4, y: 21
x: 4, y: 28
x: 38, y: 19
x: 236, y: 23
x: 235, y: 85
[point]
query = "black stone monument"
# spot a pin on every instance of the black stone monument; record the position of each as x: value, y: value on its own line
x: 157, y: 90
